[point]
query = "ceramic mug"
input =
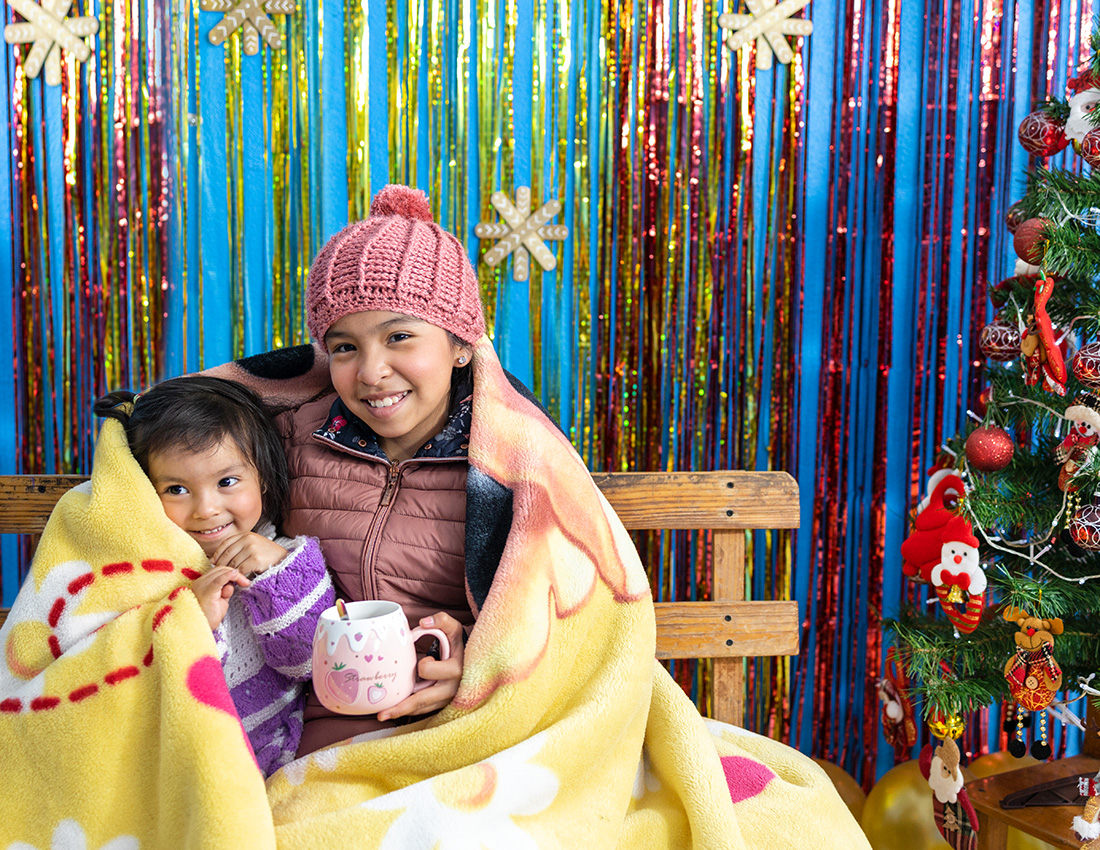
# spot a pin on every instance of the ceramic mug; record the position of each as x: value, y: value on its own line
x: 366, y: 663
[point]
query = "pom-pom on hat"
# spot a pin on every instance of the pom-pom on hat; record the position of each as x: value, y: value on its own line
x: 398, y: 260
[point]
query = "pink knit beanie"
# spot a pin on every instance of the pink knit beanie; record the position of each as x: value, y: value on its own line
x: 396, y: 259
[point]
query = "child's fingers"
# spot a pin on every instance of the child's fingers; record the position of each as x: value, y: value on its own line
x: 228, y: 547
x: 217, y: 578
x: 249, y: 553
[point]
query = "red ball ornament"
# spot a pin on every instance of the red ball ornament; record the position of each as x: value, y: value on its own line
x: 1084, y: 528
x: 1029, y: 240
x: 1015, y: 216
x: 1041, y: 134
x: 1090, y: 147
x: 1000, y: 341
x: 989, y: 449
x: 1086, y: 365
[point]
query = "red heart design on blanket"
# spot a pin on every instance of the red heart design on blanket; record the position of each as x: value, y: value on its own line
x: 746, y: 778
x: 206, y: 682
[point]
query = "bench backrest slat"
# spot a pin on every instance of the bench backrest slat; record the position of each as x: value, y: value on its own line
x: 726, y: 628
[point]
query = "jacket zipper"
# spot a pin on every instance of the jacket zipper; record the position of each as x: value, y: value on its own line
x: 381, y: 517
x: 374, y: 533
x: 385, y: 503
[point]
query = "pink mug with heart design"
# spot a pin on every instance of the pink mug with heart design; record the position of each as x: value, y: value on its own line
x: 366, y: 663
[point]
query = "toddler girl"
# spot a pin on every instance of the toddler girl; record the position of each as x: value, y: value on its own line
x: 215, y: 459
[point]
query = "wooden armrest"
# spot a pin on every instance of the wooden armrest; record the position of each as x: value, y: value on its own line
x: 726, y: 629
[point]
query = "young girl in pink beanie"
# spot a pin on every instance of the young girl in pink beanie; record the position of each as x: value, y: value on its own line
x: 379, y: 467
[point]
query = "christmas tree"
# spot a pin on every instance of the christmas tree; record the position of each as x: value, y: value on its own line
x: 1007, y: 538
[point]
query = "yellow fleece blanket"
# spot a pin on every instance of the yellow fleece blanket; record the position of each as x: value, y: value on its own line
x: 565, y: 732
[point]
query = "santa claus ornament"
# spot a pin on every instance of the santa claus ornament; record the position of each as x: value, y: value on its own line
x: 1086, y: 825
x: 958, y: 578
x: 898, y: 724
x: 921, y: 550
x: 955, y: 816
x: 1033, y: 676
x: 1082, y: 103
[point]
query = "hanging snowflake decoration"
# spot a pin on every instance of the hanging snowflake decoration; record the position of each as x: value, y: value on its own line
x: 49, y: 31
x: 251, y: 18
x: 769, y: 24
x: 521, y: 231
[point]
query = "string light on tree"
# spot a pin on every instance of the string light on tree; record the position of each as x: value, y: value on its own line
x: 768, y: 24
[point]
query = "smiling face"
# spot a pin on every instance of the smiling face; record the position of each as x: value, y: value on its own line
x: 211, y: 495
x: 394, y: 373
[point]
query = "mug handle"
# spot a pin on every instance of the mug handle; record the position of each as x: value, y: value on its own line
x: 444, y: 652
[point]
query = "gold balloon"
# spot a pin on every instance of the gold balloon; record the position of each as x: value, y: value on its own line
x: 849, y: 790
x: 1002, y: 762
x: 898, y: 812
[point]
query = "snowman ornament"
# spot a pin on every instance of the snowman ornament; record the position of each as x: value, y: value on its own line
x: 958, y: 578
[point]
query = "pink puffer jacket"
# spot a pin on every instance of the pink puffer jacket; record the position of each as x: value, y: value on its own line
x: 388, y: 531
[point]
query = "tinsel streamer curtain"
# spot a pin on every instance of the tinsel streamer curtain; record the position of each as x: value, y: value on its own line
x: 765, y: 270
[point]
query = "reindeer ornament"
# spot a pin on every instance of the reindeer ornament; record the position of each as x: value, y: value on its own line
x: 1033, y: 676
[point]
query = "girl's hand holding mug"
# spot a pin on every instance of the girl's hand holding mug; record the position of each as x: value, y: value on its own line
x: 364, y: 660
x: 446, y: 673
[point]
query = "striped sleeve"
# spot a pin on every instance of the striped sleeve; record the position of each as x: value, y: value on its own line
x: 284, y: 603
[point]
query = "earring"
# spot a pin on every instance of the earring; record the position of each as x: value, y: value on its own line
x: 462, y: 360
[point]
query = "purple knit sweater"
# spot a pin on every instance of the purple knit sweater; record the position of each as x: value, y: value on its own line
x: 266, y: 645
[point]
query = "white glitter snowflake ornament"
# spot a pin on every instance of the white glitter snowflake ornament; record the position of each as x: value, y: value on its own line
x: 251, y: 18
x: 769, y: 24
x: 521, y: 232
x: 49, y: 30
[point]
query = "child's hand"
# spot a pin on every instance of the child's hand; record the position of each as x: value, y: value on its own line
x: 213, y: 589
x: 248, y: 553
x: 446, y: 674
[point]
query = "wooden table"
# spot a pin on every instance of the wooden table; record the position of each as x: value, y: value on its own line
x: 1052, y: 824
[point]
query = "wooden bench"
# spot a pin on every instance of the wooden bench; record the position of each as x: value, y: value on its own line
x: 728, y: 504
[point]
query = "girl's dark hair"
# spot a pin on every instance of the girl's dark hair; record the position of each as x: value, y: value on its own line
x: 198, y: 412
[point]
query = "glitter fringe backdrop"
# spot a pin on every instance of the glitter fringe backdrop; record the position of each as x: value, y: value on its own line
x: 766, y: 269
